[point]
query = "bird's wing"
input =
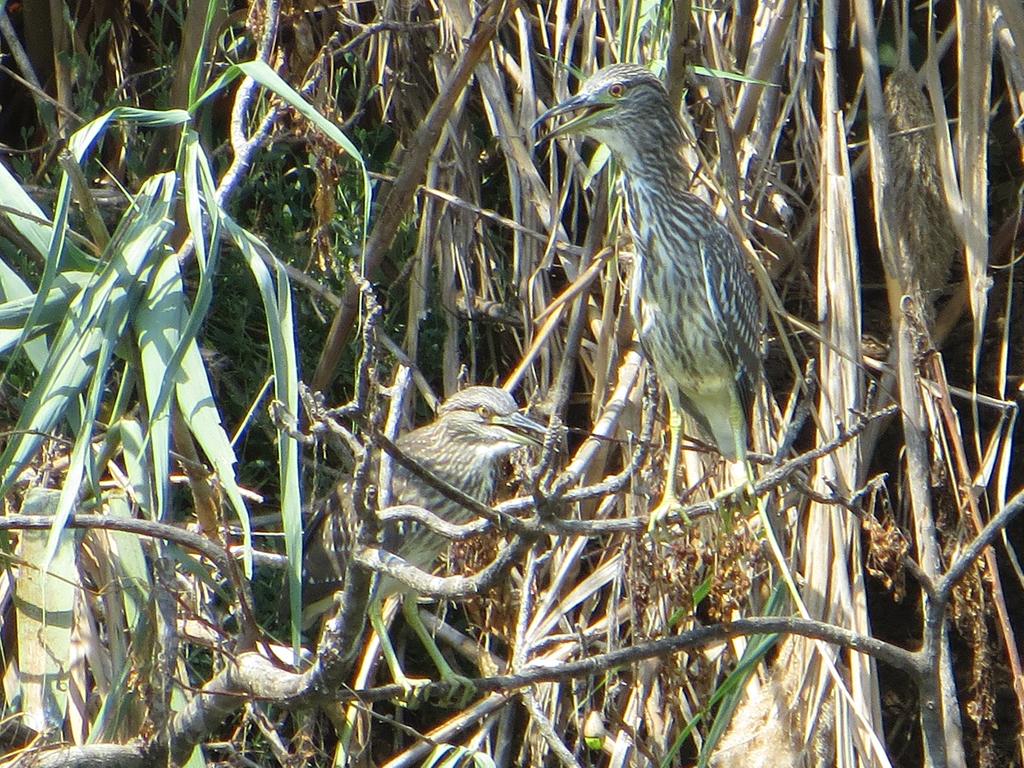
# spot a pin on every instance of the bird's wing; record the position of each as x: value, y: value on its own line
x: 732, y: 298
x: 326, y: 544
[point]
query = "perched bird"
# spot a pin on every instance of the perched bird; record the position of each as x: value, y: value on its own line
x: 694, y: 303
x: 475, y: 430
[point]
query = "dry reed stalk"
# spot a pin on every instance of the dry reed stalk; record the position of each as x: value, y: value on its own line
x: 947, y: 745
x: 974, y: 49
x: 802, y: 690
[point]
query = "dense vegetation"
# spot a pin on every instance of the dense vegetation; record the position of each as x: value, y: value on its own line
x: 240, y: 241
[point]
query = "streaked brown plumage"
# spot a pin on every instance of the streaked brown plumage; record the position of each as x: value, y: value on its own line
x: 694, y: 303
x: 475, y: 430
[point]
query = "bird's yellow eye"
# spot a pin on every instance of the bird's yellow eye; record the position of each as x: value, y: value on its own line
x: 484, y: 411
x: 616, y: 90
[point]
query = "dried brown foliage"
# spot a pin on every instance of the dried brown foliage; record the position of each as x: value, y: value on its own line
x: 875, y: 189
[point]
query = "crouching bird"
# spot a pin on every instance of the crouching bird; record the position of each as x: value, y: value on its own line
x: 694, y: 303
x: 475, y: 430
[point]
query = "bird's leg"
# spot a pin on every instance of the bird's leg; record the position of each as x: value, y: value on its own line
x: 462, y: 688
x: 739, y: 496
x: 411, y: 685
x: 669, y: 503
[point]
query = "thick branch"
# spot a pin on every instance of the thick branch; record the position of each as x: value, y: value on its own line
x: 254, y: 676
x: 202, y: 545
x: 91, y: 756
x: 449, y: 587
x: 699, y: 637
x: 432, y: 522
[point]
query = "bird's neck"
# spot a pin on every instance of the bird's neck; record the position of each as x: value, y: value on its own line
x: 476, y: 477
x: 652, y: 155
x: 659, y: 169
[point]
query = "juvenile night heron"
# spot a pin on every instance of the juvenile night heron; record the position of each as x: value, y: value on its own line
x: 694, y: 303
x: 474, y: 432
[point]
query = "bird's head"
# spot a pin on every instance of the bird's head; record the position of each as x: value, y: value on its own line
x: 622, y: 106
x: 488, y: 419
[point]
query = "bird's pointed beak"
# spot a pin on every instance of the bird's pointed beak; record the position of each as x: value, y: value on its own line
x: 522, y: 429
x: 584, y: 103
